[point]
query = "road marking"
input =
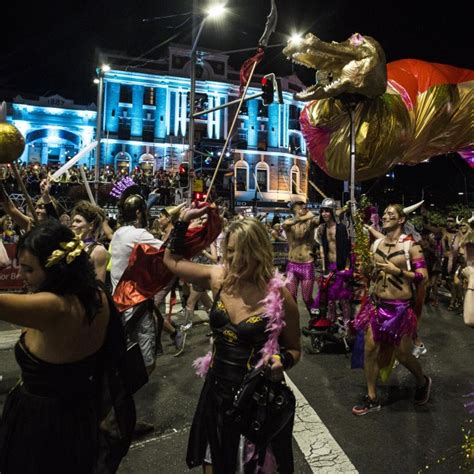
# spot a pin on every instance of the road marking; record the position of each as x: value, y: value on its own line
x: 8, y: 339
x: 169, y: 434
x: 320, y: 449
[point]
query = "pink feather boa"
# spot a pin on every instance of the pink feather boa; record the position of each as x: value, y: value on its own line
x: 273, y: 311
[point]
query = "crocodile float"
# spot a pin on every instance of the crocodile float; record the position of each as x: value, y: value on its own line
x: 406, y: 111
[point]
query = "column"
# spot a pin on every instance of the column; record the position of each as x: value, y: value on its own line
x: 160, y: 112
x: 252, y: 123
x: 210, y: 132
x: 273, y: 125
x: 136, y: 129
x: 111, y: 112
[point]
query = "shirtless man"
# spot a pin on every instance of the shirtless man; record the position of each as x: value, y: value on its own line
x: 448, y: 235
x: 335, y: 249
x: 458, y: 262
x: 299, y: 231
x: 388, y: 318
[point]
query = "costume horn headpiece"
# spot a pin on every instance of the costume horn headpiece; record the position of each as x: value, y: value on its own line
x: 171, y: 211
x: 458, y: 221
x: 414, y: 207
x: 471, y: 219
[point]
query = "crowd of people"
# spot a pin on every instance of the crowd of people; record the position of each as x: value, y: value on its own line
x: 163, y: 184
x: 80, y: 268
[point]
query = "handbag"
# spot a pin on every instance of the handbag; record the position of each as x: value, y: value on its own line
x: 135, y: 373
x: 261, y: 408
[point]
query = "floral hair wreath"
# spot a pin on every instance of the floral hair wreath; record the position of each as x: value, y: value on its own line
x: 69, y: 250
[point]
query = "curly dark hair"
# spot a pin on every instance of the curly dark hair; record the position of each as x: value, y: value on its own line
x: 76, y: 278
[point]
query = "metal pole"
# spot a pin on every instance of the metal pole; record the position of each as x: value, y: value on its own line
x: 192, y: 96
x: 98, y: 133
x: 353, y: 159
x: 231, y: 130
x: 227, y: 104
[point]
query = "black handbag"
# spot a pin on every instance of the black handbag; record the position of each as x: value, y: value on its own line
x: 135, y: 375
x: 262, y: 408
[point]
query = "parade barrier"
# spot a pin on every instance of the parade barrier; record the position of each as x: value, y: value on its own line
x: 10, y: 275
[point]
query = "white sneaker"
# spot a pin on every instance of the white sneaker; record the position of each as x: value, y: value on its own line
x: 419, y: 350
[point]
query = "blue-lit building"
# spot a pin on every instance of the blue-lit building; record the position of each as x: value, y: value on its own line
x: 146, y: 117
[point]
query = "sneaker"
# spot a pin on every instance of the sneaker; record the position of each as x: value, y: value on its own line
x: 366, y: 406
x: 179, y: 339
x: 422, y: 394
x: 419, y: 350
x: 142, y: 428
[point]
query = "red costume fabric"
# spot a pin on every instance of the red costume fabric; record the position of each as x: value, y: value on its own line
x: 146, y: 273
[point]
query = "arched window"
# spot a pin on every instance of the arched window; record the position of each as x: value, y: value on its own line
x: 295, y: 180
x: 241, y: 174
x: 123, y: 161
x: 262, y: 174
x: 147, y: 162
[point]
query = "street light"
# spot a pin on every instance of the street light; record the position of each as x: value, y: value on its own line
x: 98, y: 133
x: 213, y: 11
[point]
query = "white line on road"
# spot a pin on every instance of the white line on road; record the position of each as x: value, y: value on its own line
x: 8, y: 338
x: 163, y: 436
x: 321, y: 450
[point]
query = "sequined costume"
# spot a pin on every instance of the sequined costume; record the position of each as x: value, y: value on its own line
x: 389, y: 320
x: 214, y: 437
x: 303, y: 273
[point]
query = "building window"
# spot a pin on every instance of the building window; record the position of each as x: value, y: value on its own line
x: 126, y: 94
x: 149, y: 97
x: 241, y: 175
x: 262, y: 171
x: 295, y: 180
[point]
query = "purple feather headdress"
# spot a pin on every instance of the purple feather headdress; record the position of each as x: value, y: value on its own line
x: 121, y: 186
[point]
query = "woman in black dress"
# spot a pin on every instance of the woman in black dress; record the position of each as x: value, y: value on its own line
x: 50, y: 422
x: 240, y: 326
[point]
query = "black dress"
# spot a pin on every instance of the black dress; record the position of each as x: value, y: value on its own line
x: 50, y: 421
x: 51, y: 417
x: 236, y: 350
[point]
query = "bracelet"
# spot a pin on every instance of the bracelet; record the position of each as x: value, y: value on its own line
x: 176, y: 239
x: 418, y: 277
x: 287, y: 360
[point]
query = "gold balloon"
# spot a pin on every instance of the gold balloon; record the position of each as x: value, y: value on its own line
x: 12, y: 143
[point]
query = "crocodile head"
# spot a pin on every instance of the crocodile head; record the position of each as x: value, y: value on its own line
x: 355, y: 66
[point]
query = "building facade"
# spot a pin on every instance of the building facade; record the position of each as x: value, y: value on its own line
x: 145, y: 124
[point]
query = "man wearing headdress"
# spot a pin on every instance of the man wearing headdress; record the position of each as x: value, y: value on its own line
x: 138, y: 321
x: 447, y: 235
x: 389, y: 317
x: 299, y: 232
x: 335, y: 247
x: 458, y: 262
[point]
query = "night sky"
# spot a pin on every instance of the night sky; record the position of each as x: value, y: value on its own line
x: 50, y: 47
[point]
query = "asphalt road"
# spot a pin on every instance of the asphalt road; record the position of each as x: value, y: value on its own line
x: 401, y: 438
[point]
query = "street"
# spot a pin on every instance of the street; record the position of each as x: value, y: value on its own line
x: 401, y: 438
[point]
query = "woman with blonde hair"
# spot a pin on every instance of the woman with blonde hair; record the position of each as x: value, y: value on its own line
x: 255, y: 323
x: 87, y: 222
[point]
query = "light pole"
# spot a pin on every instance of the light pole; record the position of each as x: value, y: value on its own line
x: 98, y: 133
x: 213, y: 12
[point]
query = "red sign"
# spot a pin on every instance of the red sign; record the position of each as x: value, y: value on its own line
x: 10, y: 275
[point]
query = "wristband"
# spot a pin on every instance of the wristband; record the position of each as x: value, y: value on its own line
x: 418, y: 277
x: 176, y: 240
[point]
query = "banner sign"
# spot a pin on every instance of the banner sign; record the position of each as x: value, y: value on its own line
x: 10, y: 275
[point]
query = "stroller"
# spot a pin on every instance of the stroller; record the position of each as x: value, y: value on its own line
x: 320, y: 329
